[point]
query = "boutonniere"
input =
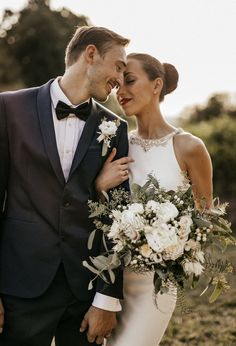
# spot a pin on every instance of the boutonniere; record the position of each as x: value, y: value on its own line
x: 107, y: 132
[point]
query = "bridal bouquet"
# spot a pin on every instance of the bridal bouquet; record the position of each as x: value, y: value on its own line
x: 161, y: 232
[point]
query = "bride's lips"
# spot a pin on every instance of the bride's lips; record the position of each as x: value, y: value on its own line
x: 124, y: 100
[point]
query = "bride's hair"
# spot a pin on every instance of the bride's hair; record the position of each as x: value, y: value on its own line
x: 154, y: 69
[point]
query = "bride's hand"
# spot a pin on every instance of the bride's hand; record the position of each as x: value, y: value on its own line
x: 113, y: 173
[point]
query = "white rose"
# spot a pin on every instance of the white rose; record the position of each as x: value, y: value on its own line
x: 136, y: 208
x: 160, y: 237
x: 145, y: 250
x: 192, y: 268
x: 167, y: 211
x: 108, y: 128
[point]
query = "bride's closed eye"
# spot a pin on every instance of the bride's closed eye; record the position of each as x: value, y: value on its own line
x: 129, y: 81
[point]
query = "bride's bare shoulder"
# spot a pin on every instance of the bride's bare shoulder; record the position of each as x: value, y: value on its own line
x: 189, y: 144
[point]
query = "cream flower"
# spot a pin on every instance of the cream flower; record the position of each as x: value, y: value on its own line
x: 192, y: 268
x: 199, y: 255
x: 192, y: 245
x: 173, y: 252
x: 145, y: 250
x: 185, y: 224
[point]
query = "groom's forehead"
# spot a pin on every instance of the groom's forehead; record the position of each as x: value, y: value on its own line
x: 117, y: 53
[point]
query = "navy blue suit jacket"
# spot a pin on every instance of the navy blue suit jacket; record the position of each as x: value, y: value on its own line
x: 43, y: 219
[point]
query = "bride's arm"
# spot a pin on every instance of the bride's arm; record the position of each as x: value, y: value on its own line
x: 113, y: 173
x: 195, y: 159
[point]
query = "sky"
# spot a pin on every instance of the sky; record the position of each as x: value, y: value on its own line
x: 197, y: 36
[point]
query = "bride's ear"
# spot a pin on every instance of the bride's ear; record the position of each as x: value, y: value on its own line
x: 158, y: 85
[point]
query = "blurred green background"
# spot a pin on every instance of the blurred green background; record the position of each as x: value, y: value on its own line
x: 32, y: 46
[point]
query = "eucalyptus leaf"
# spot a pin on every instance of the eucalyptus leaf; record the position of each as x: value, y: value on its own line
x: 215, y: 294
x: 105, y: 195
x: 91, y: 239
x: 127, y: 258
x: 104, y: 243
x: 90, y: 285
x: 114, y: 260
x: 195, y: 281
x: 100, y: 262
x: 157, y: 283
x: 204, y: 291
x: 92, y: 269
x: 161, y: 274
x: 112, y: 275
x: 201, y: 222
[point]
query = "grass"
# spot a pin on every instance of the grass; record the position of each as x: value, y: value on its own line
x: 206, y: 324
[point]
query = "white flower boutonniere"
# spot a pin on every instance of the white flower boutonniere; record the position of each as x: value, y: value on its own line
x: 107, y: 132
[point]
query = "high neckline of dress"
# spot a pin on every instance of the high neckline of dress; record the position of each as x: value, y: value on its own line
x: 148, y: 143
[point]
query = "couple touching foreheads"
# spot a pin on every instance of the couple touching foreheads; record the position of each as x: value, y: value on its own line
x: 52, y: 163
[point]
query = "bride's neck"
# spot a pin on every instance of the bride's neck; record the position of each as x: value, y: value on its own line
x: 152, y: 125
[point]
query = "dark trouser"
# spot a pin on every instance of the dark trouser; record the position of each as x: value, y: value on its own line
x: 34, y: 322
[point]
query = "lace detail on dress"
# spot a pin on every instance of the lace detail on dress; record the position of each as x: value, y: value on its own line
x: 147, y: 144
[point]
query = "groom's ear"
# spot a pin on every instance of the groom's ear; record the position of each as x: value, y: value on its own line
x: 90, y: 53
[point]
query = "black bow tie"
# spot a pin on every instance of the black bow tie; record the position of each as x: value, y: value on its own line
x: 82, y: 111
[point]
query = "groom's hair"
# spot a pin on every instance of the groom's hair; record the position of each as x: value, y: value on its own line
x: 102, y: 38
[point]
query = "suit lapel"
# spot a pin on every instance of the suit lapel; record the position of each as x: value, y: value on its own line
x: 47, y: 129
x: 86, y: 137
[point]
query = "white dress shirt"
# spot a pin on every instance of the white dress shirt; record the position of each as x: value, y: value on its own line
x: 68, y: 132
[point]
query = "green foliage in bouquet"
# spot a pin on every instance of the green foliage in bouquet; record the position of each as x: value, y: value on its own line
x: 160, y: 231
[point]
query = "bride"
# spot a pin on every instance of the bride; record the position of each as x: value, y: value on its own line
x: 167, y: 153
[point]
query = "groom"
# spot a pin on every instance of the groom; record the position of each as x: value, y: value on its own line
x: 49, y: 159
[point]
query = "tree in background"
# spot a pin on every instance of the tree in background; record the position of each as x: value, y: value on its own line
x: 33, y: 43
x: 215, y: 123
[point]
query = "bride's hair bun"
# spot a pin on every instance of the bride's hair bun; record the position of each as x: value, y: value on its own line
x: 171, y: 78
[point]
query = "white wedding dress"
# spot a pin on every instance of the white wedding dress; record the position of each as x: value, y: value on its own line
x: 141, y: 323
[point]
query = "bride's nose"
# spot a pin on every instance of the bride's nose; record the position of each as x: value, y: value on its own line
x: 120, y: 91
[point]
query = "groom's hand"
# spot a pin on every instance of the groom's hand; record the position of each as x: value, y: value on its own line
x: 98, y: 323
x: 1, y: 316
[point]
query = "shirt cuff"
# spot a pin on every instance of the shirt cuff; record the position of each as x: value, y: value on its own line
x: 108, y: 303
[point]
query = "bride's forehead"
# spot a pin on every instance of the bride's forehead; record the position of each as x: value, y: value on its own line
x: 133, y: 65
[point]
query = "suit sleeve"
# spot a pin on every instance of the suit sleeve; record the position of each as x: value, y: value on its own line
x: 116, y: 290
x: 4, y: 156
